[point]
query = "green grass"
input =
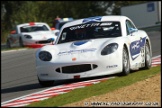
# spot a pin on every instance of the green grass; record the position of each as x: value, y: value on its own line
x: 97, y: 89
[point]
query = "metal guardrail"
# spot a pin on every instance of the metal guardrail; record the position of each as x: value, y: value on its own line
x: 3, y: 46
x: 152, y: 28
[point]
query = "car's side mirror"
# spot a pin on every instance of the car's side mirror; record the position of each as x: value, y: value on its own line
x: 53, y: 28
x: 57, y: 33
x: 13, y: 32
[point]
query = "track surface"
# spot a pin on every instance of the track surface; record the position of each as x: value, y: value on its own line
x: 19, y: 73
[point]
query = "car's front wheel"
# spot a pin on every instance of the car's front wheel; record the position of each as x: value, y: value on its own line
x: 126, y: 64
x: 45, y: 83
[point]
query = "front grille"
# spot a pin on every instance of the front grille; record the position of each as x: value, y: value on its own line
x: 43, y: 42
x: 76, y: 68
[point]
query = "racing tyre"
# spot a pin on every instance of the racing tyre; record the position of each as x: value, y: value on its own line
x: 126, y: 64
x: 45, y: 83
x: 148, y: 57
x: 21, y: 43
x: 8, y: 44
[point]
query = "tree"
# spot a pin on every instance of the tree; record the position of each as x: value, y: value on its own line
x: 27, y: 12
x: 46, y: 11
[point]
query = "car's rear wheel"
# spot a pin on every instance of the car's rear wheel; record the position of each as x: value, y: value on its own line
x: 21, y: 42
x: 8, y: 44
x: 45, y: 83
x: 126, y: 64
x: 147, y: 56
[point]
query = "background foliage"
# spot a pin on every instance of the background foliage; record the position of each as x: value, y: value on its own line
x: 18, y: 12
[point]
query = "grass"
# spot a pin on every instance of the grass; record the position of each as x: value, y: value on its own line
x: 97, y: 89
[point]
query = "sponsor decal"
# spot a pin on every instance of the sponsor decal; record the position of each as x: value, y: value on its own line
x: 77, y: 51
x: 111, y: 66
x: 150, y: 7
x: 94, y: 24
x: 84, y: 26
x: 73, y: 59
x: 105, y: 24
x: 80, y: 43
x: 92, y: 19
x: 136, y: 46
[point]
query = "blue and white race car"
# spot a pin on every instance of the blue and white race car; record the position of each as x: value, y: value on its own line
x: 94, y: 46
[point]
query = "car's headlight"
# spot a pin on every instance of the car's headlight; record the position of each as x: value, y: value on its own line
x: 109, y: 49
x: 27, y: 36
x: 45, y: 56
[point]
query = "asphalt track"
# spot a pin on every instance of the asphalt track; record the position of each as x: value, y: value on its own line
x: 18, y: 73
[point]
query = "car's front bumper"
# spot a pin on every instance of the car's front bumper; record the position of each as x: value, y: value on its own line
x: 93, y: 66
x: 37, y: 43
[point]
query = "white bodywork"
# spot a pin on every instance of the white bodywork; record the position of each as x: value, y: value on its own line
x: 87, y: 53
x: 39, y: 33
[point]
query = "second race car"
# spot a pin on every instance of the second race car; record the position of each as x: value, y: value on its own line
x: 33, y: 34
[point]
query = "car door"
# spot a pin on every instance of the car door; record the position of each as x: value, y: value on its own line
x: 136, y: 52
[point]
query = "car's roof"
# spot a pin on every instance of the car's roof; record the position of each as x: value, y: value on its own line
x: 97, y: 19
x: 31, y: 23
x: 65, y: 20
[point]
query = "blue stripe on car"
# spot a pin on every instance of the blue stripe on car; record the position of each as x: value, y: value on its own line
x: 92, y: 19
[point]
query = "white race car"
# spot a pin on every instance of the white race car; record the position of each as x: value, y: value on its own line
x: 94, y: 46
x: 33, y: 34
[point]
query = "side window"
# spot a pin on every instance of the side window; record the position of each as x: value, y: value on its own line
x: 127, y: 29
x: 130, y: 27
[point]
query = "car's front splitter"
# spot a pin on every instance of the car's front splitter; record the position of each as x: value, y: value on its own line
x: 35, y: 45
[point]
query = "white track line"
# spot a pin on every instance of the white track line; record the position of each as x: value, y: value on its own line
x: 156, y: 63
x: 13, y: 50
x: 156, y: 56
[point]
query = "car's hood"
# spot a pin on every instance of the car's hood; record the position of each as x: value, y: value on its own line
x: 82, y: 50
x: 41, y: 34
x: 83, y: 44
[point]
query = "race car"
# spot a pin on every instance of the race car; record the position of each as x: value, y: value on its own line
x: 33, y: 34
x: 94, y: 46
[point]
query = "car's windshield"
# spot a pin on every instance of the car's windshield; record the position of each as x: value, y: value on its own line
x: 90, y: 31
x: 34, y: 28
